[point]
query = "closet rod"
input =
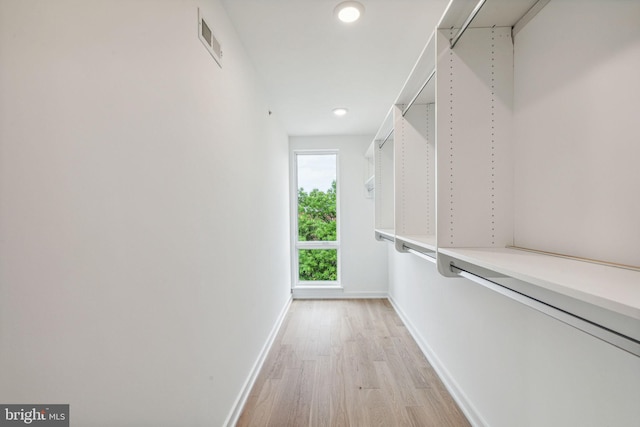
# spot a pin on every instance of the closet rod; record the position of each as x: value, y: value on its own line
x: 420, y: 254
x: 413, y: 100
x: 382, y: 236
x: 528, y: 16
x: 384, y: 141
x: 601, y: 332
x: 467, y: 22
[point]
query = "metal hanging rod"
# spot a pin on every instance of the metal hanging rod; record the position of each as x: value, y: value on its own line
x: 384, y: 237
x: 413, y: 100
x: 467, y: 22
x: 531, y: 13
x: 419, y: 254
x: 384, y: 141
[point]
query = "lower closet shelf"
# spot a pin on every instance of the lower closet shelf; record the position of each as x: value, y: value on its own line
x: 606, y: 296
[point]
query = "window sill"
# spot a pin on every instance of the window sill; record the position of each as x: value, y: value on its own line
x: 318, y: 286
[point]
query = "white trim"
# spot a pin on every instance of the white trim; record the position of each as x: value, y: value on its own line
x: 450, y: 383
x: 314, y: 244
x: 318, y: 284
x: 335, y: 292
x: 293, y: 212
x: 241, y: 400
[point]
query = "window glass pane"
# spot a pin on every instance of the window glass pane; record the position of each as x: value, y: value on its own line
x: 316, y: 197
x: 318, y: 265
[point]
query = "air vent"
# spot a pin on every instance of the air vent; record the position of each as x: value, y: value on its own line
x: 208, y: 39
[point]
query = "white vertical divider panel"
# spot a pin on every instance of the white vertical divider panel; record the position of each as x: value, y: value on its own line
x: 431, y: 169
x: 399, y: 152
x: 384, y: 188
x: 474, y: 134
x: 415, y: 171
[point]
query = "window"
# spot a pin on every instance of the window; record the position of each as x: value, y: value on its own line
x: 316, y: 259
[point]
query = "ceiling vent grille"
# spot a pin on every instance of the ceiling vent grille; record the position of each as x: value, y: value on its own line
x: 209, y: 40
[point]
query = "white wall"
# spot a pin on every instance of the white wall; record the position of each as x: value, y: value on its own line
x: 363, y: 259
x: 509, y: 364
x: 144, y: 250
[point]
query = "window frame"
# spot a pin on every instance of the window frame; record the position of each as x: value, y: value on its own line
x: 297, y: 245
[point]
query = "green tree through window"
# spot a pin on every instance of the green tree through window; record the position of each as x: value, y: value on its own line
x: 317, y: 220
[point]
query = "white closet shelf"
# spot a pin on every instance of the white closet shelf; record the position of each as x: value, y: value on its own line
x: 497, y: 13
x: 613, y: 288
x: 606, y: 295
x: 419, y: 241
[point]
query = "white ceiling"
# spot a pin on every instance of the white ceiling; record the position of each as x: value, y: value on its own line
x: 311, y: 62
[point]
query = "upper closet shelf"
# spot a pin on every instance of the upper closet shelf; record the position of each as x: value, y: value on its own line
x: 416, y: 89
x: 383, y: 148
x: 464, y: 14
x: 489, y: 13
x: 385, y: 131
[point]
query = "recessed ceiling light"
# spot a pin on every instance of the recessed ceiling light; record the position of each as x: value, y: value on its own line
x: 340, y: 111
x: 349, y: 11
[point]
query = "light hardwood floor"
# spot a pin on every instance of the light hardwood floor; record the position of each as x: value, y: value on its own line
x: 347, y: 363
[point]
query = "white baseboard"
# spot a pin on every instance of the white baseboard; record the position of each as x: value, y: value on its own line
x: 241, y: 400
x: 452, y: 386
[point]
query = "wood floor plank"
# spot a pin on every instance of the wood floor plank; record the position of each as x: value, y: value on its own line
x: 258, y: 410
x: 420, y: 416
x: 321, y: 400
x: 352, y: 385
x: 403, y: 379
x: 441, y: 407
x: 393, y: 324
x: 339, y: 388
x: 378, y: 411
x: 275, y: 367
x: 303, y: 393
x: 393, y: 394
x: 347, y: 363
x: 412, y: 365
x: 346, y: 329
x: 363, y: 360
